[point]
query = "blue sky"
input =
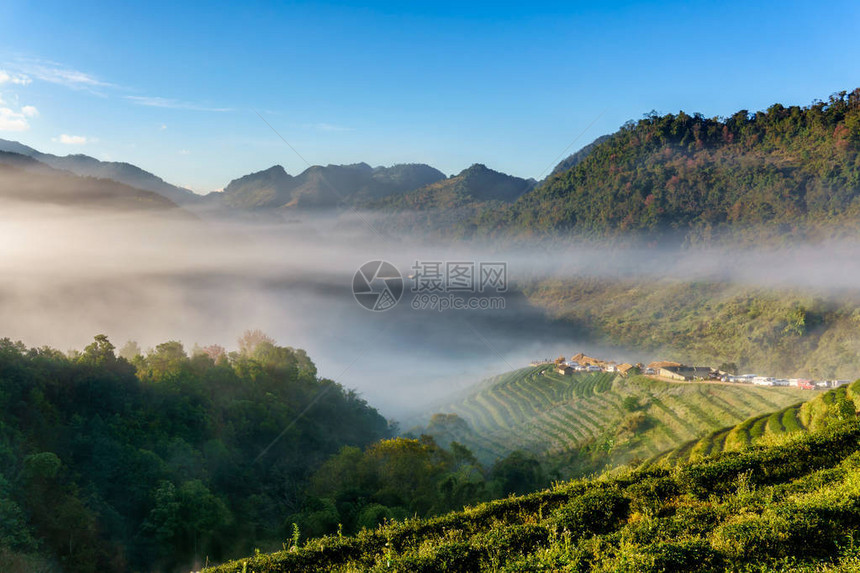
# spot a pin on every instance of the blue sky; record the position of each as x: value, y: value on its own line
x: 175, y: 89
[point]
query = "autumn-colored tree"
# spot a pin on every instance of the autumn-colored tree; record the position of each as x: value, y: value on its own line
x: 251, y: 339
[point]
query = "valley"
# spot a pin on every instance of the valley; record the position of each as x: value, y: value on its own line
x: 270, y: 276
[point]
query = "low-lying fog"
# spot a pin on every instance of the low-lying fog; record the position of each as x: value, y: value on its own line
x: 67, y: 275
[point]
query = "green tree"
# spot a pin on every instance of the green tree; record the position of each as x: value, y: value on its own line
x: 518, y: 473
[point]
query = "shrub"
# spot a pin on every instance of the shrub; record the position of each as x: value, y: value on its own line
x: 450, y: 556
x: 680, y: 555
x: 597, y: 511
x: 650, y: 494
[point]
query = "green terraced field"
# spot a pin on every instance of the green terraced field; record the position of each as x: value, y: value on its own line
x: 537, y: 410
x: 811, y: 415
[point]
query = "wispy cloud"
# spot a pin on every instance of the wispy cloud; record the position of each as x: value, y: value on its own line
x: 16, y: 120
x: 67, y: 139
x: 170, y: 103
x: 52, y: 72
x: 16, y: 79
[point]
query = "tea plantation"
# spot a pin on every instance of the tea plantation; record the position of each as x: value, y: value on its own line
x: 792, y: 504
x: 537, y: 410
x: 817, y: 413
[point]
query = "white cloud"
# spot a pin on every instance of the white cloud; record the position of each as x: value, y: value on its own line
x: 163, y: 126
x: 66, y: 139
x: 29, y: 111
x: 169, y: 103
x: 184, y: 152
x: 20, y: 80
x: 55, y: 73
x: 11, y: 120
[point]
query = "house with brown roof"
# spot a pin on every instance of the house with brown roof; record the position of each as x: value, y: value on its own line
x: 656, y: 366
x: 585, y: 360
x: 625, y: 369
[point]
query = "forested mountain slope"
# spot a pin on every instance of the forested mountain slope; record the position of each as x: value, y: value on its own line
x: 796, y: 169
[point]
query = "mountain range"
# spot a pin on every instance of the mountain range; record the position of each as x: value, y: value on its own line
x: 475, y: 185
x: 87, y: 166
x: 273, y: 190
x: 794, y: 170
x: 24, y: 179
x: 321, y: 187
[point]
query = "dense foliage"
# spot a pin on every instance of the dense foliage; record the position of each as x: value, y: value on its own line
x: 407, y: 477
x: 791, y: 168
x: 790, y: 506
x: 159, y: 461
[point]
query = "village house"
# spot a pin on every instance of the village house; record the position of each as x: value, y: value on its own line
x: 656, y: 366
x: 625, y: 369
x: 686, y: 373
x: 585, y: 360
x: 564, y: 370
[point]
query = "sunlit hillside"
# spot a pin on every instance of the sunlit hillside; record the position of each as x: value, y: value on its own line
x: 793, y: 506
x: 609, y: 417
x: 818, y: 413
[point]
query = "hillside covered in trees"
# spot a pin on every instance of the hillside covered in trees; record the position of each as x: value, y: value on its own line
x: 156, y: 461
x: 793, y: 169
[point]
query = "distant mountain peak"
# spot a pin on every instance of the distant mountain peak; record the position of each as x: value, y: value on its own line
x: 472, y: 187
x: 476, y: 168
x: 87, y: 166
x: 320, y: 187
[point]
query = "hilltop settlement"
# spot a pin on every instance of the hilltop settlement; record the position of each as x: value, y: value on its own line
x: 676, y: 372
